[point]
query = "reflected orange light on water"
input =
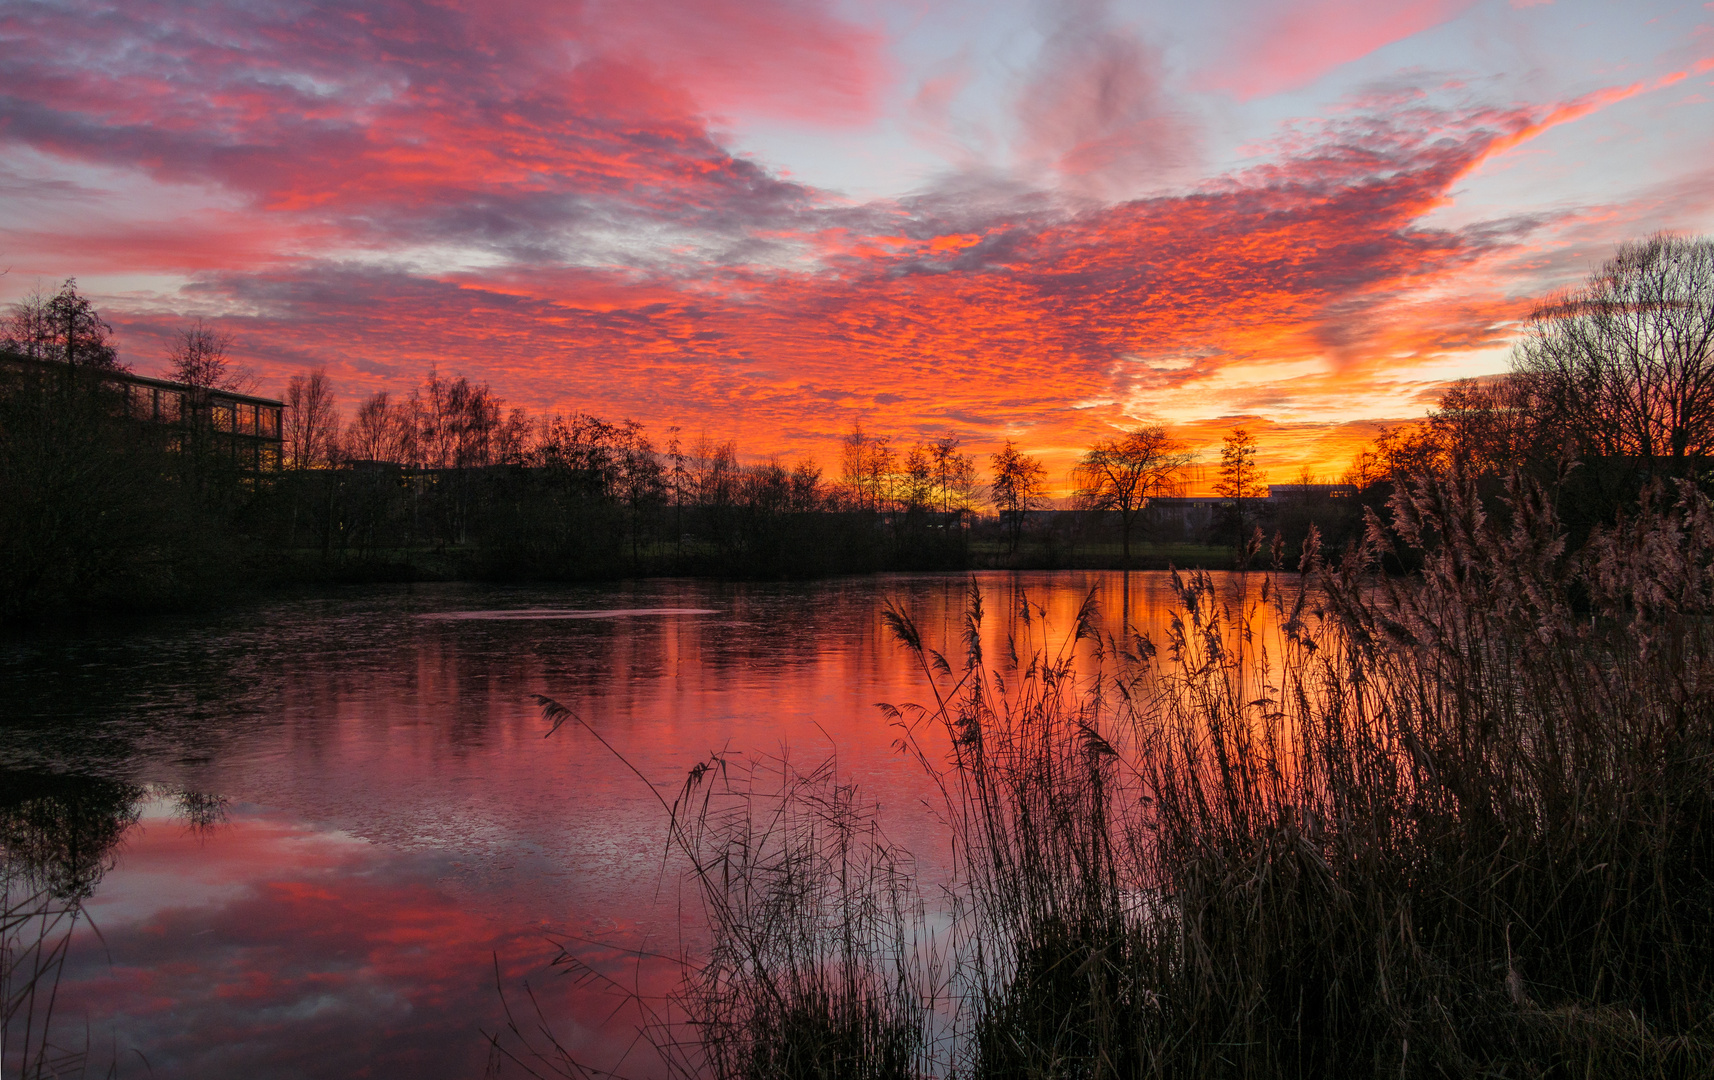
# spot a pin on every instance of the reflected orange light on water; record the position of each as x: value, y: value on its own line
x: 397, y: 819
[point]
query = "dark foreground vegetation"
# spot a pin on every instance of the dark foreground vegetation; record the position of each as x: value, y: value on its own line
x: 1459, y: 824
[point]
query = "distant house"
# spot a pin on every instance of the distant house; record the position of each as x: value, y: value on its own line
x: 246, y: 427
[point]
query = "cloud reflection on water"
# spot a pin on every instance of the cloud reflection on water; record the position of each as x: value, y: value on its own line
x: 396, y: 820
x: 314, y: 953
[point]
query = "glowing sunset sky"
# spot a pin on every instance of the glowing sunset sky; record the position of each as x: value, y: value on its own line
x: 766, y: 219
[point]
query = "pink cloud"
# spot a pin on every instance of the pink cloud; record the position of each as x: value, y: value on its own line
x: 1096, y: 109
x: 1288, y: 44
x: 792, y: 59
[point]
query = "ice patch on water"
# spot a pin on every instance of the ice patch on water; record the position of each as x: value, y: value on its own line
x: 540, y: 614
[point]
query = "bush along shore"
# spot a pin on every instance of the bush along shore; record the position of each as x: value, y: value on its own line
x: 1455, y: 824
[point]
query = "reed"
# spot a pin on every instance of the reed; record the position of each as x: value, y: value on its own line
x: 816, y: 964
x: 816, y: 957
x: 1460, y: 824
x: 36, y: 928
x: 1454, y: 825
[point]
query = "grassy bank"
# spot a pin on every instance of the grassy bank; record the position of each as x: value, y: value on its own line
x: 1460, y: 824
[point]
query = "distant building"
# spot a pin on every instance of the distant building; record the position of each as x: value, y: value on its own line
x: 1307, y: 492
x: 242, y: 425
x: 1198, y: 517
x: 1188, y: 519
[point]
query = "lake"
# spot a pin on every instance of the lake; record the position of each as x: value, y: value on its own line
x: 342, y: 833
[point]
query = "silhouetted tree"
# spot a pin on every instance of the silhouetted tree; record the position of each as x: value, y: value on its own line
x: 640, y: 479
x: 1020, y: 485
x: 807, y: 496
x: 916, y: 487
x: 871, y: 473
x: 881, y: 472
x: 64, y: 327
x: 311, y: 422
x: 1624, y: 365
x: 954, y: 476
x: 1240, y: 479
x: 464, y: 425
x: 379, y: 431
x: 1484, y: 429
x: 1122, y: 474
x: 715, y: 480
x: 199, y: 358
x: 29, y: 331
x: 678, y: 484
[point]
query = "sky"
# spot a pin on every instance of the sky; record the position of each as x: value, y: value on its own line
x: 769, y: 220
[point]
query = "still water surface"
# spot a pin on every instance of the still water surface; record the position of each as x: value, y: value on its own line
x: 397, y: 834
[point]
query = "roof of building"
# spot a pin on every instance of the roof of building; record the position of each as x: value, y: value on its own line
x: 121, y: 375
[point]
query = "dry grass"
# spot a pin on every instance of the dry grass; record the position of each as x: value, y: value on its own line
x: 817, y: 965
x: 58, y: 836
x: 36, y: 929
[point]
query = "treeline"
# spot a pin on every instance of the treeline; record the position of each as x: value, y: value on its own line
x: 447, y: 476
x: 447, y: 479
x: 99, y: 512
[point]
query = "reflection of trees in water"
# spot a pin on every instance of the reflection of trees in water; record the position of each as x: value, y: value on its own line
x: 59, y: 835
x: 200, y: 811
